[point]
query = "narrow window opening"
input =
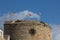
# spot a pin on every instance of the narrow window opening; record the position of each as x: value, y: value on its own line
x: 32, y: 32
x: 10, y: 39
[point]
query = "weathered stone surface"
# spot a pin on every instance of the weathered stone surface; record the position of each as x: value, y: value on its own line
x: 28, y: 30
x: 1, y: 38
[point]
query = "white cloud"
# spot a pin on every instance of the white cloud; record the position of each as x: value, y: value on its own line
x: 25, y: 15
x: 22, y: 15
x: 56, y: 31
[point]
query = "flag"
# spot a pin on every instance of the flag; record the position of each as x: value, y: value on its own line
x: 30, y: 14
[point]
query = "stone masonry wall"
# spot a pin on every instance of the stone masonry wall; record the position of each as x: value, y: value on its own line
x: 30, y: 31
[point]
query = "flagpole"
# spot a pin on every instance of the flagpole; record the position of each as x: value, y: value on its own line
x: 12, y: 14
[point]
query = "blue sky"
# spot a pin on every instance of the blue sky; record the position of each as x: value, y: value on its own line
x: 45, y: 10
x: 49, y: 9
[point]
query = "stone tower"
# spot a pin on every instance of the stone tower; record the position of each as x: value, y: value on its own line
x: 27, y: 30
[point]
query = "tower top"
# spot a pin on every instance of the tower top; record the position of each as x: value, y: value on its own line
x: 32, y: 22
